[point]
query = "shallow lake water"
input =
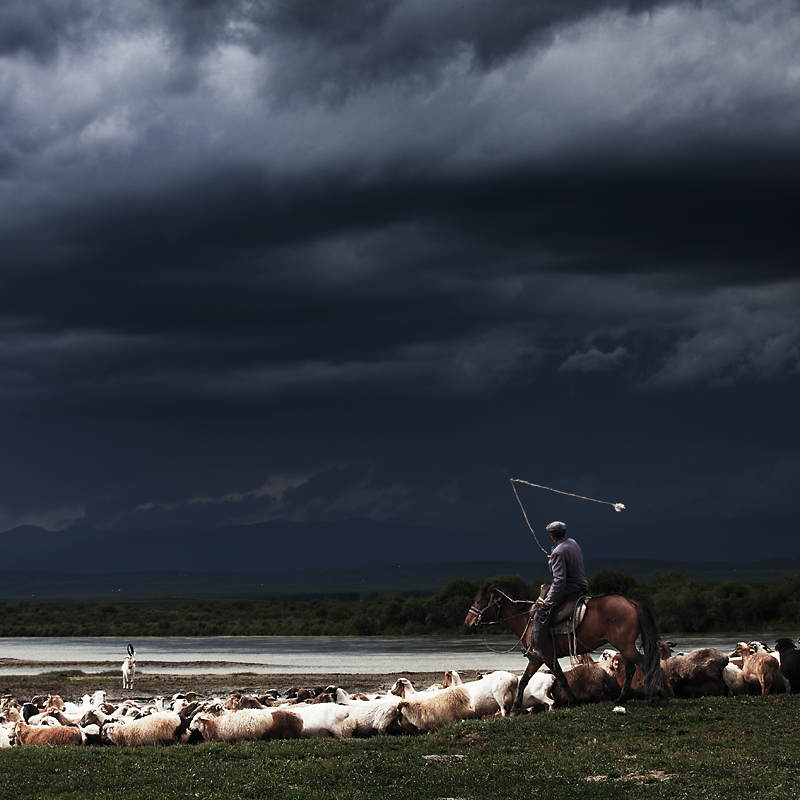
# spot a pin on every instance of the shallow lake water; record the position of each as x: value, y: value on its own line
x: 307, y: 654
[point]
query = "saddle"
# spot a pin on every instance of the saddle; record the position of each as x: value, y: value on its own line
x: 567, y: 616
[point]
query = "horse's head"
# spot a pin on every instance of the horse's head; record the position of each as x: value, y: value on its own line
x: 484, y: 607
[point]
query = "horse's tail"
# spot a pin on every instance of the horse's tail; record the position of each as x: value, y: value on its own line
x: 651, y: 667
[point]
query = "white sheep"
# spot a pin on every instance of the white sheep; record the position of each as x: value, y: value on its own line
x: 249, y: 724
x: 539, y: 692
x: 489, y: 693
x: 325, y: 719
x: 403, y: 688
x: 734, y: 679
x: 376, y: 716
x: 153, y: 729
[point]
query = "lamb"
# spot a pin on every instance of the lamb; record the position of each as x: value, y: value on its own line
x: 251, y: 724
x: 490, y: 693
x: 154, y: 729
x: 431, y: 712
x: 27, y: 735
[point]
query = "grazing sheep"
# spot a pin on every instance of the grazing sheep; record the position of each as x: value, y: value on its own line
x: 250, y: 724
x: 27, y: 735
x: 153, y: 729
x: 429, y: 713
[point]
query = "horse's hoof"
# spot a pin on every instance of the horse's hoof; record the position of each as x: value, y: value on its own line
x: 514, y: 712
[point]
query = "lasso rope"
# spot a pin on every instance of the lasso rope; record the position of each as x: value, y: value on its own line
x: 615, y: 506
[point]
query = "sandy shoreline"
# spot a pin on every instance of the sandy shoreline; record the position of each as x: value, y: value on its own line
x: 72, y: 687
x: 19, y: 663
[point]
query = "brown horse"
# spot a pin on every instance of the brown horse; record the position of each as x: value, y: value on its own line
x: 611, y: 619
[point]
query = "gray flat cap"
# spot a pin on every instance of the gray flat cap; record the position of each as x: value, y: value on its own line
x: 559, y: 528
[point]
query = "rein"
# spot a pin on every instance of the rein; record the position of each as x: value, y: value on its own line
x: 495, y: 603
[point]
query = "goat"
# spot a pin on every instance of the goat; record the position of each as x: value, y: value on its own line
x: 129, y: 668
x: 250, y: 724
x: 489, y: 693
x: 431, y: 712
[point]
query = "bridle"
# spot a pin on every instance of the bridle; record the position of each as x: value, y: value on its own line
x: 496, y: 600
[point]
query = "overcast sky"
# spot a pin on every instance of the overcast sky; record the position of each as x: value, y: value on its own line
x: 323, y: 259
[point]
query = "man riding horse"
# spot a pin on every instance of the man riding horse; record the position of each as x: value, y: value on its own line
x: 569, y: 583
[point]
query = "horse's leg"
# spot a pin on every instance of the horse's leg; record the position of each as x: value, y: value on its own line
x: 630, y: 669
x: 534, y: 662
x: 562, y: 679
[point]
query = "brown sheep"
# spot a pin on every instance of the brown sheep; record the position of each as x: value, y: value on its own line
x: 590, y: 683
x: 761, y: 671
x: 435, y: 710
x: 27, y: 735
x: 697, y: 673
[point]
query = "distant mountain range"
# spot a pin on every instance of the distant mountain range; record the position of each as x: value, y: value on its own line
x: 268, y: 547
x: 354, y: 558
x: 346, y: 584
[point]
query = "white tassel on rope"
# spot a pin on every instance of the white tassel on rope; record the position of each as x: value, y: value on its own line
x: 615, y: 506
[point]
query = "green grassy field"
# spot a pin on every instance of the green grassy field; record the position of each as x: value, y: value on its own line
x: 711, y: 747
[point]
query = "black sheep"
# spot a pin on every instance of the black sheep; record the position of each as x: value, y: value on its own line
x: 790, y: 662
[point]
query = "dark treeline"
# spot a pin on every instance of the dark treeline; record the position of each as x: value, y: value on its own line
x: 680, y: 604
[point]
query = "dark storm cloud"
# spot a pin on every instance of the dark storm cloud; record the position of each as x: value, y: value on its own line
x: 381, y: 255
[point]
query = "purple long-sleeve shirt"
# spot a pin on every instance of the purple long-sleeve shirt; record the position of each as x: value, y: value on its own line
x: 569, y: 576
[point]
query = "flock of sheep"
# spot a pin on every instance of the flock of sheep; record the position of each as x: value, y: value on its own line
x: 302, y: 713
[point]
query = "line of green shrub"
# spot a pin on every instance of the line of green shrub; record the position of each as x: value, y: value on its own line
x: 680, y: 604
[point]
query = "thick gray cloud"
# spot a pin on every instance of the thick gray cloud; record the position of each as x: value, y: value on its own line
x: 326, y: 259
